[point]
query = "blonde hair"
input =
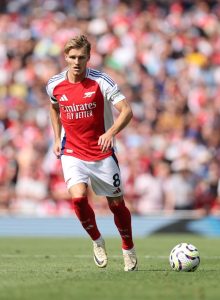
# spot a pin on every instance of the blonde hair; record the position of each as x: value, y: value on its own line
x: 77, y: 42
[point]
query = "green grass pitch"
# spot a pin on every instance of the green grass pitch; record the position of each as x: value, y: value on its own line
x: 63, y: 268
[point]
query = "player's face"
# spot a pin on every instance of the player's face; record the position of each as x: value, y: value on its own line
x: 77, y: 60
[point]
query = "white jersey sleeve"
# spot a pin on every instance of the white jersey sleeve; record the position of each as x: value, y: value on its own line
x: 49, y: 90
x: 113, y: 94
x: 52, y: 83
x: 108, y: 87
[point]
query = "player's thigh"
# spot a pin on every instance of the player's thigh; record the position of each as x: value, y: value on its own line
x: 106, y: 178
x: 74, y: 171
x: 78, y: 190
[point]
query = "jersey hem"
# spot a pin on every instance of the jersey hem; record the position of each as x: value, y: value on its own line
x: 88, y: 160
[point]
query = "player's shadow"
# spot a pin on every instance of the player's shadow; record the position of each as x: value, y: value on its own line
x: 171, y: 271
x: 153, y: 270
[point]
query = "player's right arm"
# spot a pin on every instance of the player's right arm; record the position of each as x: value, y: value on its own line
x: 56, y: 125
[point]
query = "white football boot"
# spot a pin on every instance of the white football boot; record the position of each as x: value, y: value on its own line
x: 130, y: 260
x: 100, y: 255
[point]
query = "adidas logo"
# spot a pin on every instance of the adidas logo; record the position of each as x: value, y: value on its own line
x: 117, y: 191
x: 63, y: 98
x: 88, y: 94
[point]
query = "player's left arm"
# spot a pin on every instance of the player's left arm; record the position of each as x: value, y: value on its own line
x: 125, y: 114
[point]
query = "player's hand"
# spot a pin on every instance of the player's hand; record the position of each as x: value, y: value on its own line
x: 57, y: 148
x: 105, y: 142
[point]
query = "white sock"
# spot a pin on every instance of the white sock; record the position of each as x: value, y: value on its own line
x: 99, y: 240
x: 128, y: 251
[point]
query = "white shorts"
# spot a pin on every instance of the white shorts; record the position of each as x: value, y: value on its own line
x: 104, y: 174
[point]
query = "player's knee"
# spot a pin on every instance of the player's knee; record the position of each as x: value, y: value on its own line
x: 116, y: 203
x: 79, y: 202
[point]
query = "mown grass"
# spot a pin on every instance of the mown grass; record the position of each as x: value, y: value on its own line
x: 63, y: 268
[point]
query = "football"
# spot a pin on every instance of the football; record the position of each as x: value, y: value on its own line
x: 184, y: 257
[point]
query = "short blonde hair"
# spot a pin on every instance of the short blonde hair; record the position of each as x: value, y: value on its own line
x: 77, y: 42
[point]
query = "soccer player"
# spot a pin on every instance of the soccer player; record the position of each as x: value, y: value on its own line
x: 84, y: 132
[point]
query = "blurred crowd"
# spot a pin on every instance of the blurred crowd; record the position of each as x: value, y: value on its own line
x: 164, y: 55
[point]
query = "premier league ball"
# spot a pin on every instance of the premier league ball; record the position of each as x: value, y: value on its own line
x: 184, y: 257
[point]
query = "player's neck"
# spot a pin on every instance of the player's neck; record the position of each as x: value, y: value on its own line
x: 71, y: 77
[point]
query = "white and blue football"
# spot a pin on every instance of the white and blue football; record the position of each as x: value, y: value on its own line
x: 184, y: 257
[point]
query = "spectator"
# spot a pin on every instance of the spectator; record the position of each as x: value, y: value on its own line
x: 179, y: 190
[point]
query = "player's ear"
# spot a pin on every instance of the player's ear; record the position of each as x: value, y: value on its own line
x: 66, y: 57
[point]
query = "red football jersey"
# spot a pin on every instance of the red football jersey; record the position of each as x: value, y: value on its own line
x: 85, y: 111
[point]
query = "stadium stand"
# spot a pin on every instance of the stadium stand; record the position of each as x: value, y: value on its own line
x: 164, y: 55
